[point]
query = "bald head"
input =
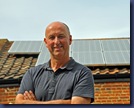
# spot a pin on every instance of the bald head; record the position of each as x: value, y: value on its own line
x: 57, y: 24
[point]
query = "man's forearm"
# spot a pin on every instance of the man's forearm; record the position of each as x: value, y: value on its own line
x: 44, y: 102
x: 29, y: 98
x: 54, y: 102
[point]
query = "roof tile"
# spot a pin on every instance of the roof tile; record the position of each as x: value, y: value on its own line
x: 114, y: 71
x: 124, y: 70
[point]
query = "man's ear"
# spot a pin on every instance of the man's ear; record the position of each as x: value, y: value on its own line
x: 45, y: 41
x: 70, y: 39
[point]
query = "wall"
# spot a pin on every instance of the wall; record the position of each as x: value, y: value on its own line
x: 7, y: 95
x: 112, y: 93
x: 105, y: 93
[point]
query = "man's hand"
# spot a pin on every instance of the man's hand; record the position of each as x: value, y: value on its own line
x: 28, y: 95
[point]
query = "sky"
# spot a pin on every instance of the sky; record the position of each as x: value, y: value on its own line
x: 87, y: 19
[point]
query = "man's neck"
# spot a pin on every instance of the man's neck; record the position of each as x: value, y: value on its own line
x: 58, y: 63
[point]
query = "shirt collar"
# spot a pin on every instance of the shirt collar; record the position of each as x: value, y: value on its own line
x: 68, y: 66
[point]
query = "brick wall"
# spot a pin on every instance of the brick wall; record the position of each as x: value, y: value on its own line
x: 8, y: 94
x: 105, y: 93
x: 112, y: 93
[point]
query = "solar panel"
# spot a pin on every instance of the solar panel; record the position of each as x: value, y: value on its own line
x: 44, y: 55
x: 89, y: 58
x: 116, y: 51
x: 115, y: 45
x: 87, y: 52
x: 86, y: 45
x: 25, y: 47
x: 117, y: 57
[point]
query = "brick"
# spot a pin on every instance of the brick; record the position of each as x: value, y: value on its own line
x: 4, y: 102
x: 117, y: 94
x: 117, y: 91
x: 105, y: 86
x: 123, y: 97
x: 113, y: 97
x: 106, y: 94
x: 109, y: 101
x: 11, y: 93
x: 1, y: 90
x: 1, y: 97
x: 118, y: 102
x: 114, y: 100
x: 126, y: 83
x: 11, y: 97
x: 103, y: 100
x: 127, y: 102
x: 97, y: 94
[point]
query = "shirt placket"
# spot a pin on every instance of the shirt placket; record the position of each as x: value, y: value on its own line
x: 52, y: 86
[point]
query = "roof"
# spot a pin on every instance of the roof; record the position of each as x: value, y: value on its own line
x: 13, y: 66
x: 89, y: 52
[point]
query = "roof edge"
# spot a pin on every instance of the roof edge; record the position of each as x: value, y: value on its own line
x: 103, y: 38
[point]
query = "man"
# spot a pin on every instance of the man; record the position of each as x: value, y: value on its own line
x: 61, y: 80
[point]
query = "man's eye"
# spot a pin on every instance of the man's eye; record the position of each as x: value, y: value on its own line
x: 61, y: 37
x: 51, y: 37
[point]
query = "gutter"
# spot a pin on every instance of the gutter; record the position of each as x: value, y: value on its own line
x: 10, y: 82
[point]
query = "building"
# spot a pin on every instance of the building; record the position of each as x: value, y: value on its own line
x: 109, y: 60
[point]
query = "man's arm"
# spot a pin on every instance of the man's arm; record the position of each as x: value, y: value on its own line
x: 20, y: 100
x: 80, y: 100
x: 29, y: 98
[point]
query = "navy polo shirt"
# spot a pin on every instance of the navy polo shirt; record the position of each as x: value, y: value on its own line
x: 71, y: 80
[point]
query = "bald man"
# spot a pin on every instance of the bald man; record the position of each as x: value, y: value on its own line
x: 61, y: 80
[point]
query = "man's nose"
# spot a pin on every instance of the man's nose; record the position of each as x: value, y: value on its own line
x: 57, y: 40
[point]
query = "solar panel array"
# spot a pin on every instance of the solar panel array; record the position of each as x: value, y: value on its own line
x: 25, y: 47
x: 44, y: 55
x: 116, y: 45
x: 116, y: 51
x: 86, y: 51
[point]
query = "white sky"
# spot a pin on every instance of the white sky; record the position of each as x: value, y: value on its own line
x: 27, y: 19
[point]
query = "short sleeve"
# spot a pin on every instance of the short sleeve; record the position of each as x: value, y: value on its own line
x: 26, y: 83
x: 84, y: 85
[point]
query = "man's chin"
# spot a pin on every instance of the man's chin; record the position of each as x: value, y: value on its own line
x: 58, y: 56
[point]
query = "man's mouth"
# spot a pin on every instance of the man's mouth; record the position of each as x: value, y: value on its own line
x: 58, y: 47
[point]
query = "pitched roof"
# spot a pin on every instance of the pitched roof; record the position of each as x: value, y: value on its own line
x: 13, y: 66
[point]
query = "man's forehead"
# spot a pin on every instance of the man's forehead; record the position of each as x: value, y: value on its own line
x: 56, y: 25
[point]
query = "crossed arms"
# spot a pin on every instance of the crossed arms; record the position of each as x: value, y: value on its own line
x: 29, y: 98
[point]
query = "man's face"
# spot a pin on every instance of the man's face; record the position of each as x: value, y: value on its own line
x: 58, y: 40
